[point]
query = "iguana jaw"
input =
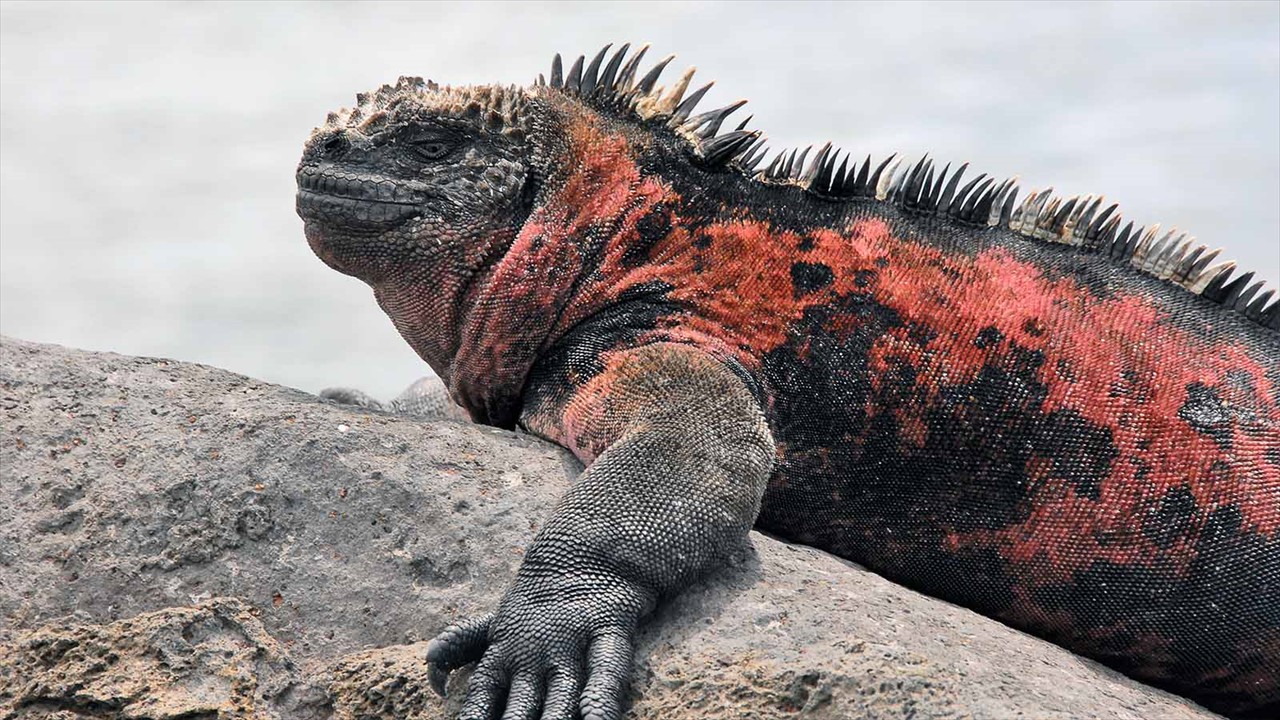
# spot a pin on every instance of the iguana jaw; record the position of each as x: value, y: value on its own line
x: 346, y: 218
x: 353, y: 216
x: 334, y: 196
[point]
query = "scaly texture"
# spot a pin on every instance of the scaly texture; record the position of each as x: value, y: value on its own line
x: 1027, y: 409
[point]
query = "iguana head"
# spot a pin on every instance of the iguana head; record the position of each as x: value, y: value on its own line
x: 415, y: 175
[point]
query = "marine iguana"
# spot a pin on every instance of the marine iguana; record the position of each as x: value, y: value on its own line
x: 1028, y: 408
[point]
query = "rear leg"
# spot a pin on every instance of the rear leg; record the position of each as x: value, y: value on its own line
x: 427, y: 399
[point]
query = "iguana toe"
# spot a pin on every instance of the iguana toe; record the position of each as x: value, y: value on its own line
x: 609, y: 671
x: 457, y: 645
x: 564, y: 686
x: 524, y: 701
x: 485, y: 690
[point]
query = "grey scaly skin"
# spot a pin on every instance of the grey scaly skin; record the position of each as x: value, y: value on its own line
x: 1027, y: 408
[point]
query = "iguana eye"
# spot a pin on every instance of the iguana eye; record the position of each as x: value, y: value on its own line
x: 432, y: 149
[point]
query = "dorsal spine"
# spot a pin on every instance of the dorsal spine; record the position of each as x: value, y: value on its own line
x: 1081, y: 222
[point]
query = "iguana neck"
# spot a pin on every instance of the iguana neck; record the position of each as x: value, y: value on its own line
x: 530, y: 297
x: 428, y: 306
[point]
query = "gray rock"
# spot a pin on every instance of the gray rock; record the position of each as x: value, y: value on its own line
x: 190, y: 662
x: 286, y: 557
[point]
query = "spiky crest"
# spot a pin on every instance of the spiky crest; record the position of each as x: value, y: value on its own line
x: 495, y: 108
x: 1081, y: 222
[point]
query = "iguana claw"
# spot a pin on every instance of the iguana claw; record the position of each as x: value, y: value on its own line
x: 457, y: 645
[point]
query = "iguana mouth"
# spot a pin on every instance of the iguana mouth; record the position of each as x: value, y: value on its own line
x: 335, y: 196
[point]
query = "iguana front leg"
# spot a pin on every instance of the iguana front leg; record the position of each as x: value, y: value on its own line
x: 681, y: 457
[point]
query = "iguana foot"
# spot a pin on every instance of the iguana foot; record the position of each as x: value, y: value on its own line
x: 559, y: 647
x: 426, y: 398
x: 351, y: 396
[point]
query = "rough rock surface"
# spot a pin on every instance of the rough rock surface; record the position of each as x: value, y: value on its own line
x: 181, y: 541
x: 187, y: 662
